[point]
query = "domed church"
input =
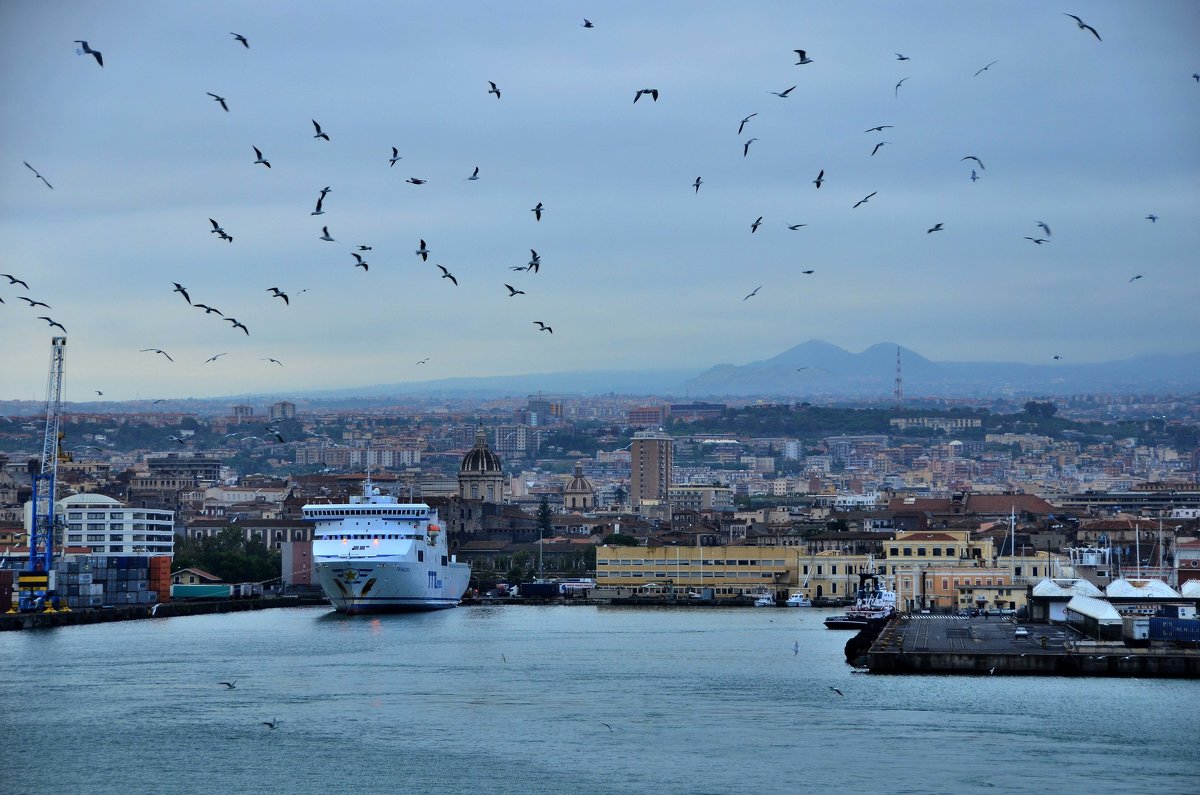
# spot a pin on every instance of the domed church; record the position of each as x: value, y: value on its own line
x: 580, y: 494
x: 481, y: 476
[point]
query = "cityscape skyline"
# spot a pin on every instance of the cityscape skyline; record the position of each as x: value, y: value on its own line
x: 1088, y: 136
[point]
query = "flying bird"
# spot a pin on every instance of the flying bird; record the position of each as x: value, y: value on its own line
x: 803, y: 57
x: 1134, y: 279
x: 864, y: 199
x: 1056, y: 356
x: 225, y: 237
x: 602, y: 723
x: 754, y: 226
x: 416, y: 181
x: 365, y: 248
x: 513, y: 291
x: 325, y: 235
x: 177, y: 439
x: 808, y: 272
x: 269, y: 359
x: 783, y: 94
x: 32, y: 303
x: 535, y: 262
x: 281, y: 294
x: 216, y: 228
x: 39, y: 176
x: 274, y: 724
x: 1037, y: 240
x: 258, y: 155
x: 422, y: 252
x: 834, y: 689
x: 697, y: 184
x: 474, y: 174
x: 158, y: 350
x: 218, y: 99
x: 229, y: 685
x: 1152, y: 218
x: 820, y: 178
x: 1079, y: 23
x: 653, y: 92
x: 1044, y: 227
x: 209, y: 310
x: 60, y: 325
x: 876, y: 149
x: 753, y: 293
x: 395, y: 157
x: 743, y: 124
x: 319, y: 134
x: 446, y: 274
x: 543, y: 327
x: 320, y: 200
x: 86, y: 50
x: 977, y: 160
x: 424, y: 361
x: 237, y: 324
x: 537, y: 212
x: 794, y: 227
x: 98, y: 392
x: 897, y: 91
x: 214, y: 358
x: 974, y: 176
x: 493, y: 89
x: 587, y: 24
x: 935, y: 228
x: 241, y: 38
x: 1195, y: 76
x: 796, y: 648
x: 278, y: 435
x: 746, y: 146
x: 984, y: 69
x: 900, y: 57
x: 880, y: 128
x: 359, y: 262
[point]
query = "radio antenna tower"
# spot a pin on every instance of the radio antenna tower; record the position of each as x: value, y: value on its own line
x: 898, y: 393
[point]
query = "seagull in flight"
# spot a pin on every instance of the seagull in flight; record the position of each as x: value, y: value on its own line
x: 86, y: 50
x: 241, y: 38
x: 14, y: 280
x: 319, y: 134
x: 602, y: 723
x: 820, y: 178
x: 743, y: 124
x: 974, y: 176
x: 274, y: 724
x: 783, y: 94
x: 209, y: 310
x: 60, y: 325
x: 269, y: 359
x: 474, y: 175
x: 218, y: 99
x: 513, y: 291
x: 1037, y: 240
x: 365, y: 248
x: 1131, y: 281
x: 543, y: 327
x: 1079, y: 23
x: 880, y: 128
x: 359, y: 262
x: 897, y: 91
x: 1056, y: 357
x: 416, y: 181
x: 1152, y: 218
x: 320, y: 200
x: 157, y: 350
x: 537, y: 212
x: 653, y: 92
x: 216, y: 228
x: 281, y: 294
x: 808, y: 272
x: 834, y: 689
x: 422, y: 252
x: 395, y: 157
x: 587, y: 24
x: 446, y: 274
x: 803, y: 57
x: 697, y: 184
x: 876, y: 149
x: 229, y: 685
x: 179, y: 288
x: 794, y: 227
x: 177, y: 439
x: 935, y: 228
x: 39, y: 176
x: 258, y: 155
x: 1044, y: 227
x: 493, y: 89
x: 424, y: 361
x: 984, y: 69
x: 535, y: 261
x: 977, y: 160
x: 753, y: 293
x: 32, y: 303
x: 214, y: 358
x: 325, y: 235
x: 900, y: 57
x: 746, y: 146
x: 237, y: 324
x: 754, y: 226
x: 864, y: 199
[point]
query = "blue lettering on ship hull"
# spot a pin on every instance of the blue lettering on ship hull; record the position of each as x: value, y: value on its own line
x: 434, y: 582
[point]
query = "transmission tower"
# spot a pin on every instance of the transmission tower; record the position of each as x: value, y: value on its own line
x: 898, y: 393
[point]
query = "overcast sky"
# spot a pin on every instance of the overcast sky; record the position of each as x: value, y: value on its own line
x: 637, y: 269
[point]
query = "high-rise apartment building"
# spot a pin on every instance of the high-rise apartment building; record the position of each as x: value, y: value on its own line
x: 650, y: 467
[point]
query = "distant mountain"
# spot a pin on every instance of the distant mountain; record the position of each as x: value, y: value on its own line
x: 590, y: 382
x: 817, y: 367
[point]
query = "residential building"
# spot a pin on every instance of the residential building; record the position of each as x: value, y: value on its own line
x: 650, y: 467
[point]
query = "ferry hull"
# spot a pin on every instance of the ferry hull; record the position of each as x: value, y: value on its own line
x: 364, y: 586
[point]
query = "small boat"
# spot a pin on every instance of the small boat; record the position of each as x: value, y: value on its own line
x: 764, y: 600
x: 798, y: 599
x: 874, y: 603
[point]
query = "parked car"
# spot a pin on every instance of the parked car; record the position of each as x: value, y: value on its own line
x: 1020, y: 632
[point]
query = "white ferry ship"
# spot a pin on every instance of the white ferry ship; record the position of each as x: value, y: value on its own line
x: 377, y: 555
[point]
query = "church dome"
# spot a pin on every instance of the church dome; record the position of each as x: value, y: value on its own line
x: 579, y: 484
x: 480, y: 458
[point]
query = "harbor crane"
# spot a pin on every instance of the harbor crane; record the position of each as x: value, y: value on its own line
x: 35, y: 585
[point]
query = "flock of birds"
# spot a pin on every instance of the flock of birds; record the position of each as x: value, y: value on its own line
x: 423, y: 251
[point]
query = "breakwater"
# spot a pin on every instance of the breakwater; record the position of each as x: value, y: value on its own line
x: 66, y: 618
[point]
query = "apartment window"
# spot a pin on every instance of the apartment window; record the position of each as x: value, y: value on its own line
x: 949, y: 552
x: 920, y: 552
x: 937, y: 552
x: 945, y: 584
x: 117, y: 515
x: 895, y: 552
x: 95, y: 526
x: 75, y: 539
x: 75, y: 515
x: 819, y: 572
x: 833, y: 569
x: 95, y: 514
x: 908, y: 552
x: 95, y: 538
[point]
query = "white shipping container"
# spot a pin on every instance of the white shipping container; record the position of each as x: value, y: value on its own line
x: 85, y: 579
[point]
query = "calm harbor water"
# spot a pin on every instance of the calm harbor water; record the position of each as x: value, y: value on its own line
x: 513, y: 700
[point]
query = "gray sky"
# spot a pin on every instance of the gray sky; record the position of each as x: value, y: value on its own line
x: 638, y: 270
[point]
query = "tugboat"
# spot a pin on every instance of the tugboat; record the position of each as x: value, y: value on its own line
x: 873, y: 604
